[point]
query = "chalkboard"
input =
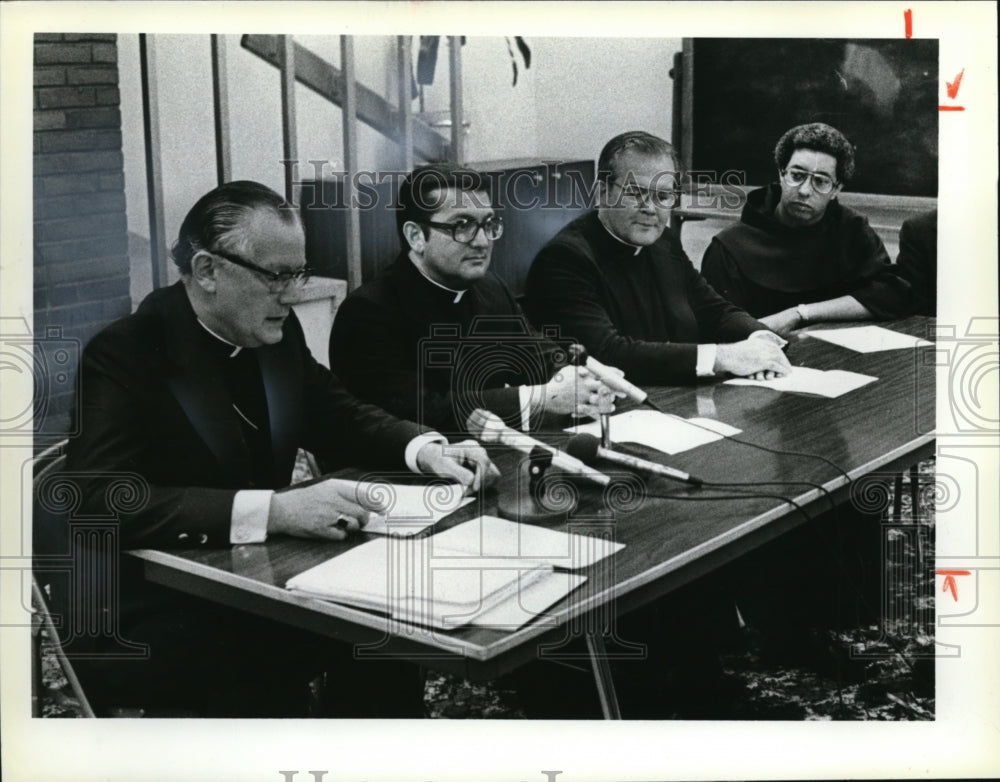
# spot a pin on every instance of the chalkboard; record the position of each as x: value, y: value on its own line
x: 742, y: 94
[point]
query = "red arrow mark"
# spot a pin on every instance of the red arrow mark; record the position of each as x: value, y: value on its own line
x: 949, y: 584
x: 908, y: 22
x: 952, y: 86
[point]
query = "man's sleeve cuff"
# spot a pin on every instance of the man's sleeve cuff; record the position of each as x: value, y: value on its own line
x: 526, y: 400
x: 413, y: 448
x: 248, y: 523
x: 705, y: 363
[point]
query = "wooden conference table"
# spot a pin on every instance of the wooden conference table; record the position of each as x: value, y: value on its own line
x: 870, y: 433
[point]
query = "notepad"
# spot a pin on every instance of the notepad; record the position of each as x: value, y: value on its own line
x: 408, y: 509
x: 830, y: 383
x: 867, y: 339
x: 667, y: 433
x: 486, y: 572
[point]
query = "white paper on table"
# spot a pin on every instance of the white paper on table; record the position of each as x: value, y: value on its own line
x: 667, y: 433
x: 492, y: 537
x: 830, y: 383
x: 487, y: 571
x: 410, y: 509
x: 867, y: 339
x: 532, y: 599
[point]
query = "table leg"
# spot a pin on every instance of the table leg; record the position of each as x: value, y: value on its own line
x: 915, y: 507
x: 602, y: 676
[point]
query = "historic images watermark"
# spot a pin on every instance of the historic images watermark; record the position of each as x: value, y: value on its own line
x: 552, y: 186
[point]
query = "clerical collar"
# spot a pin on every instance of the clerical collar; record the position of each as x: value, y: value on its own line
x: 236, y: 348
x: 458, y: 294
x: 618, y: 239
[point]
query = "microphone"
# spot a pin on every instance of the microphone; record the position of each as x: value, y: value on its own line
x: 588, y: 448
x: 488, y: 428
x: 614, y: 381
x: 610, y: 378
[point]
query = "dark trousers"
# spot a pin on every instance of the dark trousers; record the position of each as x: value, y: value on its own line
x: 824, y: 574
x: 216, y: 662
x: 664, y: 660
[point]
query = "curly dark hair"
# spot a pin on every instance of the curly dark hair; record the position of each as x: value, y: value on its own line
x: 218, y: 214
x: 821, y: 138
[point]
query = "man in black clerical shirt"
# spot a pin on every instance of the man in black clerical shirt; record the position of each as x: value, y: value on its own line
x: 202, y: 398
x: 798, y: 256
x: 618, y: 282
x: 436, y: 334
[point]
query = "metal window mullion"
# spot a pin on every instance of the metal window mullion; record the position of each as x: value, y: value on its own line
x: 154, y: 164
x: 350, y: 125
x: 289, y: 139
x: 220, y: 99
x: 404, y: 61
x: 457, y: 111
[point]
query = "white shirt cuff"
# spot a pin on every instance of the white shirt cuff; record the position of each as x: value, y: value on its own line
x: 413, y: 448
x: 524, y: 400
x: 705, y: 363
x: 248, y: 523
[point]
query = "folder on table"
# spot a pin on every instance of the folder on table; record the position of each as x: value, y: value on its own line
x: 487, y: 572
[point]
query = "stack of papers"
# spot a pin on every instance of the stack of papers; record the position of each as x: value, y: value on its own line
x: 867, y: 339
x: 830, y: 383
x: 486, y: 572
x: 668, y: 433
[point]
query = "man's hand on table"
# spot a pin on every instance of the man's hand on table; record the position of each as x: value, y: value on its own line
x: 466, y: 462
x: 575, y: 391
x: 784, y: 322
x: 759, y: 357
x: 329, y: 509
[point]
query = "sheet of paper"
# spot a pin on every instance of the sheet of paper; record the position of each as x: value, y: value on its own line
x: 411, y: 509
x: 867, y: 339
x: 531, y: 600
x: 667, y: 433
x: 830, y: 383
x: 503, y: 540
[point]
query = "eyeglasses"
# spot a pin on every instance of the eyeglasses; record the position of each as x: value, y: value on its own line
x: 665, y: 199
x: 465, y: 231
x: 796, y: 177
x: 276, y: 281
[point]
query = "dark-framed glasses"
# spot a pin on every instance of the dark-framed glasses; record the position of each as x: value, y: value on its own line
x: 276, y: 281
x: 663, y: 198
x: 796, y: 177
x: 464, y: 231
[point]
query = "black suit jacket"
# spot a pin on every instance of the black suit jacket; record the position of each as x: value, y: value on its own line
x: 153, y: 403
x: 404, y: 344
x: 642, y: 312
x: 917, y: 261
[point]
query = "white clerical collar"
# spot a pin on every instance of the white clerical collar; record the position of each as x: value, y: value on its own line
x: 236, y: 348
x: 458, y: 294
x: 618, y: 238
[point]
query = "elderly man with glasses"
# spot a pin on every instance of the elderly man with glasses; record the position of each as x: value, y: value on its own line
x: 616, y: 280
x: 798, y: 256
x: 203, y: 397
x: 436, y: 335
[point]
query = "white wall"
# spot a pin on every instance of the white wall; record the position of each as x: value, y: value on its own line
x: 591, y: 89
x: 577, y: 94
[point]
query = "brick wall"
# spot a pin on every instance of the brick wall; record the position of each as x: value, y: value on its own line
x: 80, y: 236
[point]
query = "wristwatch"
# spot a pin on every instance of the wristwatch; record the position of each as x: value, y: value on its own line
x: 803, y: 312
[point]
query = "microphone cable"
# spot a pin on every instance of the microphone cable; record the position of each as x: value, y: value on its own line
x: 738, y: 495
x: 623, y: 448
x: 732, y: 438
